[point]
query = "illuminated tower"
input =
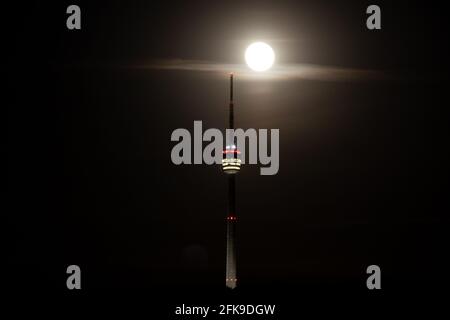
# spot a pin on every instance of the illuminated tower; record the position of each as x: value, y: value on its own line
x: 231, y: 165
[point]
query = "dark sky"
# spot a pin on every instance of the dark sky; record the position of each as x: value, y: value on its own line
x: 362, y: 169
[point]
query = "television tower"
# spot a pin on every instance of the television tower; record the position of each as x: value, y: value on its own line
x: 231, y: 164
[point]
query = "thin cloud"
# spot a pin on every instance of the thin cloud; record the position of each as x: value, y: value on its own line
x: 277, y: 72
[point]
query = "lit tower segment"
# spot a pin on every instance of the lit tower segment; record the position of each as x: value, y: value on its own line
x: 231, y: 164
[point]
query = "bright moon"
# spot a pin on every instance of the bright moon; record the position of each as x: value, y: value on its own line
x: 259, y: 56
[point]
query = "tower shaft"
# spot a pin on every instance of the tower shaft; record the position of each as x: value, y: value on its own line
x: 231, y: 231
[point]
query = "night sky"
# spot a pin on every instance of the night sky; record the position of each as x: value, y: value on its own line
x: 363, y: 171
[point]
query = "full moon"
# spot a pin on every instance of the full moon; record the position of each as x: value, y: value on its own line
x: 259, y: 56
